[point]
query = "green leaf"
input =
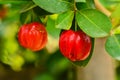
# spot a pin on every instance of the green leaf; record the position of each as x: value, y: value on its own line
x: 90, y: 4
x: 40, y: 12
x: 30, y: 5
x: 28, y: 17
x: 93, y: 22
x: 112, y: 46
x: 64, y: 20
x: 44, y: 76
x: 54, y: 6
x: 85, y: 62
x: 25, y: 17
x: 13, y: 1
x: 71, y: 1
x: 116, y: 30
x: 51, y: 29
x: 80, y: 0
x: 15, y: 61
x: 81, y: 5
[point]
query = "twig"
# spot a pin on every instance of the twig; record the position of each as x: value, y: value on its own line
x: 100, y: 7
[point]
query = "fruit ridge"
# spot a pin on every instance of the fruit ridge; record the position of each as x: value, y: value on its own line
x: 75, y: 46
x: 33, y: 36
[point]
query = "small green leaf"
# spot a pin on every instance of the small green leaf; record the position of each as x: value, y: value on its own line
x: 112, y: 46
x: 90, y: 4
x: 54, y: 6
x: 25, y: 17
x: 64, y: 20
x: 93, y: 22
x: 116, y: 30
x: 81, y: 5
x: 85, y: 62
x: 28, y: 17
x: 51, y: 29
x: 30, y: 5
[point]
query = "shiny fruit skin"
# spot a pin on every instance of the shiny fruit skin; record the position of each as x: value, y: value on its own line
x: 75, y: 46
x: 33, y: 36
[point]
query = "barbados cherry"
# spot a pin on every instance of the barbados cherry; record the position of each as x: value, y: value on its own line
x: 33, y: 36
x: 75, y: 46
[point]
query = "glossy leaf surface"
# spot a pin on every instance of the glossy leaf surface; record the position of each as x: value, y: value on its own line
x: 54, y: 6
x: 93, y: 22
x: 112, y: 46
x: 64, y: 20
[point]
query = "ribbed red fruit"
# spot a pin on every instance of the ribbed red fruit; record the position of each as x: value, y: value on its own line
x: 75, y: 46
x: 33, y: 36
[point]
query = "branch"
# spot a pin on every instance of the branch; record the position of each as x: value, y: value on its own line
x: 100, y: 7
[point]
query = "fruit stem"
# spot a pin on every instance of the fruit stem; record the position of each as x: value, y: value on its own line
x: 75, y: 9
x: 75, y: 25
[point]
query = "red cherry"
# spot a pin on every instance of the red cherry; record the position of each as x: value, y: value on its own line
x: 33, y: 36
x: 75, y: 46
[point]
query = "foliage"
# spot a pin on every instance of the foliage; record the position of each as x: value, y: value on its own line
x: 56, y: 15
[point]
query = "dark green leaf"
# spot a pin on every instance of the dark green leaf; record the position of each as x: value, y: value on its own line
x: 54, y: 6
x: 28, y: 6
x: 93, y: 22
x: 85, y: 62
x: 44, y: 76
x: 39, y: 11
x: 112, y: 46
x: 28, y: 17
x: 13, y: 1
x: 25, y: 17
x: 64, y: 20
x: 71, y: 1
x: 81, y: 5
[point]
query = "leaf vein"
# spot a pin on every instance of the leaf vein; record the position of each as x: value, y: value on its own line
x: 91, y: 21
x: 116, y: 40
